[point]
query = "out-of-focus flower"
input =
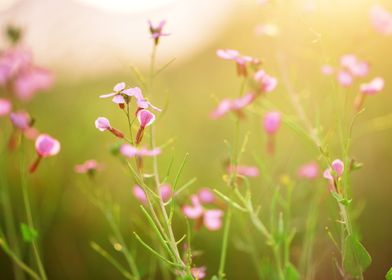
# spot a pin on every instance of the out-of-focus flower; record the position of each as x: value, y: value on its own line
x: 141, y: 102
x: 156, y: 30
x: 145, y: 118
x: 131, y: 151
x: 333, y: 174
x: 327, y: 70
x: 120, y: 94
x: 139, y: 194
x: 267, y: 29
x: 271, y: 124
x: 20, y: 120
x: 372, y: 88
x: 45, y: 146
x: 308, y: 171
x: 211, y: 218
x: 356, y: 67
x: 381, y: 20
x: 344, y: 78
x: 31, y: 81
x: 5, y: 107
x: 244, y: 170
x: 206, y: 195
x: 265, y: 82
x: 199, y: 272
x: 12, y: 61
x: 165, y: 193
x: 241, y: 60
x: 233, y: 105
x: 89, y: 166
x: 103, y: 124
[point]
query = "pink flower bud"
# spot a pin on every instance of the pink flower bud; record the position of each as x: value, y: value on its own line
x: 272, y: 122
x: 309, y: 171
x: 139, y: 194
x: 338, y: 166
x: 102, y: 124
x: 206, y: 196
x: 5, y: 107
x: 373, y: 87
x: 165, y: 192
x: 145, y: 118
x: 47, y: 146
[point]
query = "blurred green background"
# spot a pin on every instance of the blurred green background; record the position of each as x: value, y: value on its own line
x: 190, y: 87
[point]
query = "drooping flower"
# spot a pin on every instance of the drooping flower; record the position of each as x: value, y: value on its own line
x: 334, y: 173
x: 233, y: 105
x: 241, y: 61
x: 45, y: 146
x: 211, y: 218
x: 89, y: 166
x: 244, y: 170
x: 103, y: 124
x: 271, y: 124
x: 145, y: 118
x: 308, y: 171
x: 381, y: 20
x: 5, y: 107
x: 372, y: 88
x: 156, y: 31
x: 265, y: 82
x: 199, y: 272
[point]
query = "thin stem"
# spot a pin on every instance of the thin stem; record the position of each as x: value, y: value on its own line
x: 226, y: 230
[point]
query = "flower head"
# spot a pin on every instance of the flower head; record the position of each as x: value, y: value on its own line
x: 198, y: 272
x: 89, y: 166
x: 47, y: 146
x: 338, y: 167
x: 20, y: 120
x: 156, y: 30
x: 244, y: 170
x: 381, y: 20
x: 5, y: 107
x: 32, y: 80
x: 308, y: 171
x: 272, y: 121
x: 145, y: 118
x: 206, y: 195
x: 266, y: 83
x: 373, y: 87
x: 120, y: 94
x: 241, y: 60
x: 213, y: 219
x: 102, y: 124
x: 354, y: 66
x: 131, y: 151
x: 233, y: 105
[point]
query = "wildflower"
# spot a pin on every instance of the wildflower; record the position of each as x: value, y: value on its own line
x: 244, y: 170
x: 30, y: 81
x: 89, y: 166
x: 145, y: 119
x: 271, y: 123
x: 45, y: 146
x: 334, y: 173
x: 206, y: 196
x: 241, y: 60
x: 120, y: 94
x: 308, y: 171
x: 344, y: 78
x: 381, y: 20
x: 327, y: 70
x: 141, y: 102
x: 20, y: 120
x: 265, y: 82
x: 12, y: 61
x: 198, y: 272
x: 103, y: 124
x: 372, y: 88
x: 233, y: 105
x: 211, y: 218
x: 165, y: 192
x: 156, y: 31
x: 5, y: 107
x: 354, y: 66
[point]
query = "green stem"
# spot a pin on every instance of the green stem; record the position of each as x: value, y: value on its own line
x: 225, y: 241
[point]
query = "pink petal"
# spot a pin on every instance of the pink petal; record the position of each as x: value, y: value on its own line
x: 5, y: 107
x: 102, y: 124
x: 338, y: 166
x: 139, y: 193
x: 213, y: 219
x: 128, y: 150
x: 118, y: 99
x: 47, y: 146
x: 227, y: 54
x: 272, y: 121
x: 107, y: 95
x: 119, y: 87
x: 145, y: 117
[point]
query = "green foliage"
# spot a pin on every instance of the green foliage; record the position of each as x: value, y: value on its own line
x: 291, y: 272
x: 355, y: 259
x: 389, y: 274
x: 29, y: 234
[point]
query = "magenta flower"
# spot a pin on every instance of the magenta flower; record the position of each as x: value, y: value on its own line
x: 120, y: 94
x: 199, y: 272
x: 241, y: 60
x: 345, y: 78
x: 141, y: 102
x: 30, y: 81
x: 333, y: 174
x: 233, y: 105
x: 308, y: 171
x: 381, y: 20
x: 89, y: 166
x: 20, y: 120
x: 354, y: 66
x: 165, y: 193
x: 338, y: 167
x: 244, y: 170
x: 211, y: 218
x: 372, y: 88
x: 206, y: 196
x: 265, y: 82
x: 145, y: 119
x: 156, y: 31
x: 45, y: 146
x: 131, y: 151
x: 272, y: 121
x: 103, y: 124
x: 5, y: 107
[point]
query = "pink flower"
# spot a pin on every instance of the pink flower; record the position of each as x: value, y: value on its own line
x: 356, y: 67
x: 12, y: 61
x: 272, y: 121
x: 373, y: 87
x: 30, y: 81
x: 265, y: 82
x: 344, y: 78
x: 139, y: 194
x: 145, y: 119
x: 20, y: 120
x: 240, y: 60
x: 119, y: 94
x: 327, y: 70
x: 165, y: 193
x: 89, y: 166
x: 308, y: 171
x: 211, y: 218
x: 103, y: 124
x: 381, y: 20
x: 206, y: 196
x: 233, y: 105
x: 333, y: 174
x: 5, y: 107
x: 131, y: 151
x: 338, y: 166
x: 199, y: 272
x: 45, y: 146
x: 244, y: 170
x: 156, y: 30
x: 142, y: 103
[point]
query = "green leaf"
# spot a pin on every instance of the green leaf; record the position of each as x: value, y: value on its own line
x: 29, y: 234
x: 355, y: 259
x: 339, y: 198
x: 389, y: 274
x: 216, y: 277
x: 291, y: 272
